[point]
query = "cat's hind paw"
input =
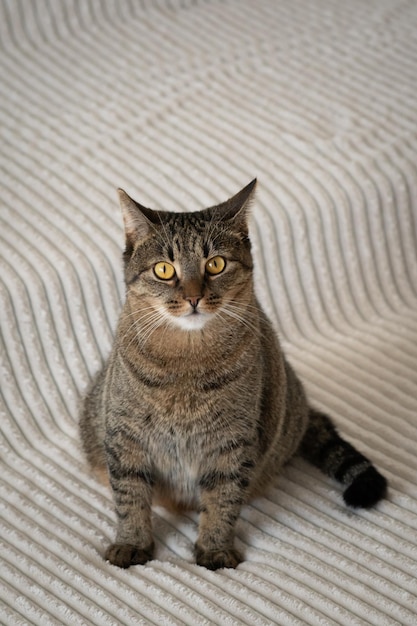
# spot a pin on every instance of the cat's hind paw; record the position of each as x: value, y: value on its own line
x: 124, y: 555
x: 217, y: 559
x: 366, y: 490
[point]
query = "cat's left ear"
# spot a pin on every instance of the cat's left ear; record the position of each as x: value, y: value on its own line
x: 236, y: 209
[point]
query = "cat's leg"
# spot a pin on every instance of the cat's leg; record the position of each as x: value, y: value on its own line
x: 131, y: 482
x: 92, y: 428
x: 324, y: 448
x: 222, y: 496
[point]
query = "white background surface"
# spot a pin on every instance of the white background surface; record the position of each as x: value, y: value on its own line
x: 182, y: 103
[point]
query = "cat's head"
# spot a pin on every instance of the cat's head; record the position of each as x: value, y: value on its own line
x: 189, y: 267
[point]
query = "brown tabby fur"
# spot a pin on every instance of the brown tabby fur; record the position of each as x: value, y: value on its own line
x: 197, y: 405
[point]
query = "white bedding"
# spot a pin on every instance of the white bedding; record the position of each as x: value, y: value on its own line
x: 182, y: 103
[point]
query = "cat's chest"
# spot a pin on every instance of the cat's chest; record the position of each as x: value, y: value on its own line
x: 183, y: 403
x: 178, y: 461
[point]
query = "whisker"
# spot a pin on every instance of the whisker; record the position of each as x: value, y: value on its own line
x: 142, y: 340
x: 245, y: 305
x: 141, y: 318
x: 164, y: 238
x: 143, y: 323
x: 235, y: 313
x: 246, y: 309
x: 211, y: 226
x: 139, y: 311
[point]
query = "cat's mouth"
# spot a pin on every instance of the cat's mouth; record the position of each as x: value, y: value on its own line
x: 192, y: 320
x: 188, y: 318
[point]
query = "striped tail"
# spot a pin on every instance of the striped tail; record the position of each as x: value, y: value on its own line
x: 323, y: 447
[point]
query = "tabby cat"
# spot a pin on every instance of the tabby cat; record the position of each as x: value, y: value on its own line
x: 197, y: 405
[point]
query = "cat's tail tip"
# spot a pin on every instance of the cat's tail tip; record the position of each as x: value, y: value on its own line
x: 366, y: 490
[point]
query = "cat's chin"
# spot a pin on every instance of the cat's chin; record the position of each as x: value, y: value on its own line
x: 195, y: 321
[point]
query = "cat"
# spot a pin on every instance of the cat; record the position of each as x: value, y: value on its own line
x: 197, y: 404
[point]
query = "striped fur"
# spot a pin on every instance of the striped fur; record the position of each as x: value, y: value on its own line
x: 197, y: 405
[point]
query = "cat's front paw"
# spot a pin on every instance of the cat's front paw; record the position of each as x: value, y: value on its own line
x: 124, y: 554
x: 217, y: 559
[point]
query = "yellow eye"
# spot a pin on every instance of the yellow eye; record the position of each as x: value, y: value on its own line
x: 215, y: 265
x: 163, y: 270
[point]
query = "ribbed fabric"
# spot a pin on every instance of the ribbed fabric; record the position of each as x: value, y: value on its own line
x: 182, y: 103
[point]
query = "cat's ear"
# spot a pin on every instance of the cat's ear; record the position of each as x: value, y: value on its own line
x: 137, y: 219
x: 240, y: 202
x: 236, y: 208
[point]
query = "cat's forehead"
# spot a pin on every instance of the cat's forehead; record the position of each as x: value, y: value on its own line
x: 189, y: 232
x: 197, y: 221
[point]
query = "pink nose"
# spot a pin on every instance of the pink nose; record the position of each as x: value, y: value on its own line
x: 193, y: 300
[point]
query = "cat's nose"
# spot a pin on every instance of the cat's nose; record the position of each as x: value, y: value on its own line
x: 192, y: 291
x: 193, y: 300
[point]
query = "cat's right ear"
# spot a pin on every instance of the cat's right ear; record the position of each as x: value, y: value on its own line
x: 137, y: 220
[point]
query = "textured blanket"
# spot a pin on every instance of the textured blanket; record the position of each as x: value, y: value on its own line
x: 182, y: 103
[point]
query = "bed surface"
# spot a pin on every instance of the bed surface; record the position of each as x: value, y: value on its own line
x: 182, y: 103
